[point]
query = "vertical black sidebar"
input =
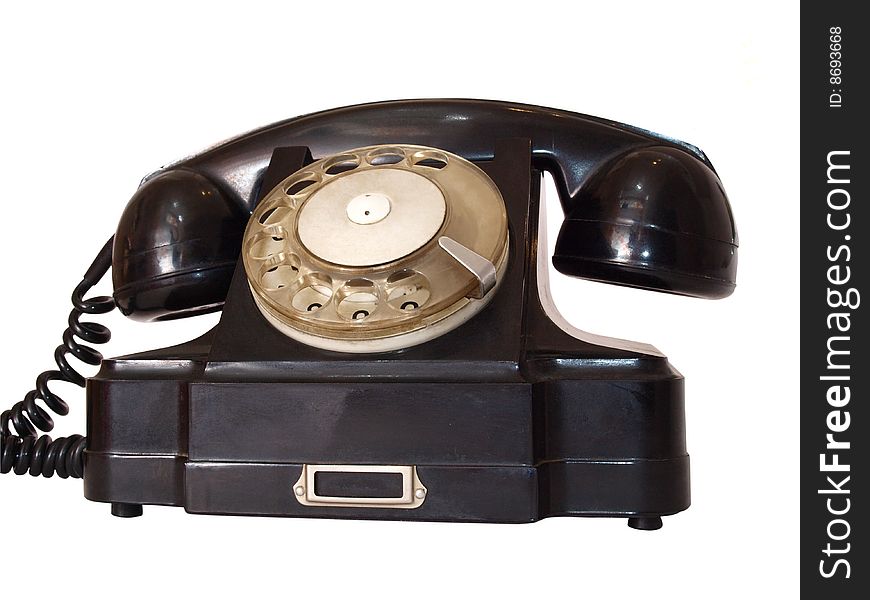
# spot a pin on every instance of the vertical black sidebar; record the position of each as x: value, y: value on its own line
x: 834, y: 368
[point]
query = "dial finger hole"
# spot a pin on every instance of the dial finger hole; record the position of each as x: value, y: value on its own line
x: 281, y: 276
x: 407, y: 290
x: 357, y: 299
x: 269, y: 243
x: 341, y: 164
x: 311, y: 293
x: 299, y: 182
x: 430, y: 159
x: 298, y: 187
x: 274, y: 215
x: 385, y: 156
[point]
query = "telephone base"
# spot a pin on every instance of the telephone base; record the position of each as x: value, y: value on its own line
x: 507, y: 418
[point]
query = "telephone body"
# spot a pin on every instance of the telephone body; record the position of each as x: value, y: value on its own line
x: 387, y: 347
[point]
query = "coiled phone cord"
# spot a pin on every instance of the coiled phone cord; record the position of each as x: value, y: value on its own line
x: 40, y: 455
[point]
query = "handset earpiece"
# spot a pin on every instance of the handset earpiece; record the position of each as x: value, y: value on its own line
x: 655, y: 218
x: 176, y: 247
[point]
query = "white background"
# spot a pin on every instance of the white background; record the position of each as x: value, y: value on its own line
x: 94, y: 97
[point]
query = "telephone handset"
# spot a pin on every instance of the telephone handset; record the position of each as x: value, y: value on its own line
x: 640, y: 209
x: 385, y: 348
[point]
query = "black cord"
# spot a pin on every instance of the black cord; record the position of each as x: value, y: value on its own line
x: 27, y: 453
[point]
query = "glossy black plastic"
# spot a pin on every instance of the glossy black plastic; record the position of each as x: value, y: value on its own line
x: 176, y: 247
x: 654, y: 218
x: 194, y: 266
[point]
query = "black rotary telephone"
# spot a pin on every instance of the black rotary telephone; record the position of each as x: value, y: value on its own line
x: 388, y: 347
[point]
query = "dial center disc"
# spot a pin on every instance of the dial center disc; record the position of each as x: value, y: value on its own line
x: 368, y: 208
x: 371, y: 217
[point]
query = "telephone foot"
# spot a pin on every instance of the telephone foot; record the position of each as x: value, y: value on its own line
x: 125, y: 510
x: 645, y: 523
